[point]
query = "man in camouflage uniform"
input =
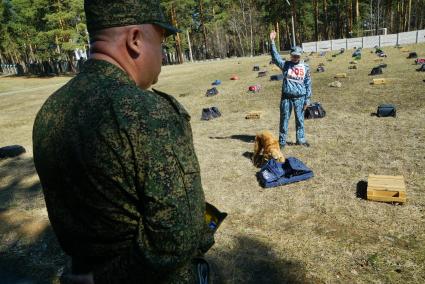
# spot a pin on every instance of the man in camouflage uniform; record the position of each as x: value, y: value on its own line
x: 117, y: 163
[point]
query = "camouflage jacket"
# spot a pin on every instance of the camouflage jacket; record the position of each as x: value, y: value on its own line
x: 121, y: 178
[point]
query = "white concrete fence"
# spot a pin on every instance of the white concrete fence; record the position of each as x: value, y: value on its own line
x: 366, y: 42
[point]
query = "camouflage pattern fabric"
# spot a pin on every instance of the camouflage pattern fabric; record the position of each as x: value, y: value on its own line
x: 101, y: 14
x: 121, y: 179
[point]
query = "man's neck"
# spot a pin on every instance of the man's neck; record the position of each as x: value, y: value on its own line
x: 116, y: 62
x: 101, y: 56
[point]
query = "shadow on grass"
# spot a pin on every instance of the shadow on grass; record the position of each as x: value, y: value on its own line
x: 361, y: 189
x: 248, y: 155
x: 40, y: 259
x: 15, y: 190
x: 29, y: 251
x: 243, y: 138
x: 252, y: 261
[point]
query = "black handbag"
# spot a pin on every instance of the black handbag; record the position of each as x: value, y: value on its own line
x: 314, y: 110
x: 385, y: 110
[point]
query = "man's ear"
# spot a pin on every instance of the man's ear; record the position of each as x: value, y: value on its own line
x: 134, y: 41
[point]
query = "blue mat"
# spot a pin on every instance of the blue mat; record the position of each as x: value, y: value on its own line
x: 275, y: 174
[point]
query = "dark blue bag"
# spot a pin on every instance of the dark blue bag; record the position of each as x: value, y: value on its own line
x: 385, y: 110
x: 275, y: 174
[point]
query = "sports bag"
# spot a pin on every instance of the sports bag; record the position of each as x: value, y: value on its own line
x: 412, y: 55
x: 314, y: 110
x: 211, y: 92
x: 420, y: 61
x: 385, y: 110
x: 274, y: 174
x: 376, y: 71
x: 422, y: 68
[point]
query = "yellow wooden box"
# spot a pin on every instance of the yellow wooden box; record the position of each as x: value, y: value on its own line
x: 386, y: 188
x: 341, y: 75
x: 379, y: 81
x: 253, y: 115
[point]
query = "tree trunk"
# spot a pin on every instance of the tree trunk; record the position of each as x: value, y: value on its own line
x: 357, y: 12
x: 325, y: 23
x: 389, y: 22
x: 338, y: 20
x: 190, y: 46
x: 349, y: 11
x: 288, y: 35
x: 176, y: 36
x: 251, y: 32
x: 277, y: 36
x: 204, y: 29
x: 415, y: 24
x: 316, y: 20
x: 217, y: 37
x: 409, y: 12
x: 235, y: 25
x: 294, y: 14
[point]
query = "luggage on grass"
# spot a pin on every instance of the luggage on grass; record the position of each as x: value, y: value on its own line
x: 421, y: 69
x: 320, y: 69
x: 412, y: 55
x: 385, y: 110
x: 274, y: 174
x: 212, y: 92
x: 314, y: 110
x: 376, y: 71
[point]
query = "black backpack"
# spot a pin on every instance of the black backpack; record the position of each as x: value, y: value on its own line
x: 385, y: 110
x: 412, y: 55
x: 376, y: 71
x: 314, y: 110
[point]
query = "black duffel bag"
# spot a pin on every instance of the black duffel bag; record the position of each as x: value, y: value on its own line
x: 314, y: 110
x: 385, y: 110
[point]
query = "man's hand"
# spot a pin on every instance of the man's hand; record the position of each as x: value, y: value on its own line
x: 305, y: 107
x: 272, y: 35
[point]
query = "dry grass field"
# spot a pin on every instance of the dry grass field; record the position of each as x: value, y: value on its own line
x: 316, y: 231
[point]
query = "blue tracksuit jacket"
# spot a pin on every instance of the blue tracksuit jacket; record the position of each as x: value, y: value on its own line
x: 296, y: 77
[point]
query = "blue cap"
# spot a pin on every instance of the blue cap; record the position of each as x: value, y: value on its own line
x: 296, y: 50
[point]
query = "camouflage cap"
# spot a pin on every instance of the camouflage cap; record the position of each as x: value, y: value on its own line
x: 101, y: 14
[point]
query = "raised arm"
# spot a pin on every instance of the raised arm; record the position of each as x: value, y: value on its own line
x: 276, y: 58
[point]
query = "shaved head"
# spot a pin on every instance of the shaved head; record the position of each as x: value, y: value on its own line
x: 137, y: 49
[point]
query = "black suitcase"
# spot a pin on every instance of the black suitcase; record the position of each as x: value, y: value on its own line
x: 385, y: 110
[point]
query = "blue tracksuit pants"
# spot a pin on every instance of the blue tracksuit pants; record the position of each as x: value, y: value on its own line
x: 286, y: 106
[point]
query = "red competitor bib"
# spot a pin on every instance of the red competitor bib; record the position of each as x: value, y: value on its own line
x: 297, y: 74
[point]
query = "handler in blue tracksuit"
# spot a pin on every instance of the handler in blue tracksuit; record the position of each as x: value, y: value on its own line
x: 296, y: 91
